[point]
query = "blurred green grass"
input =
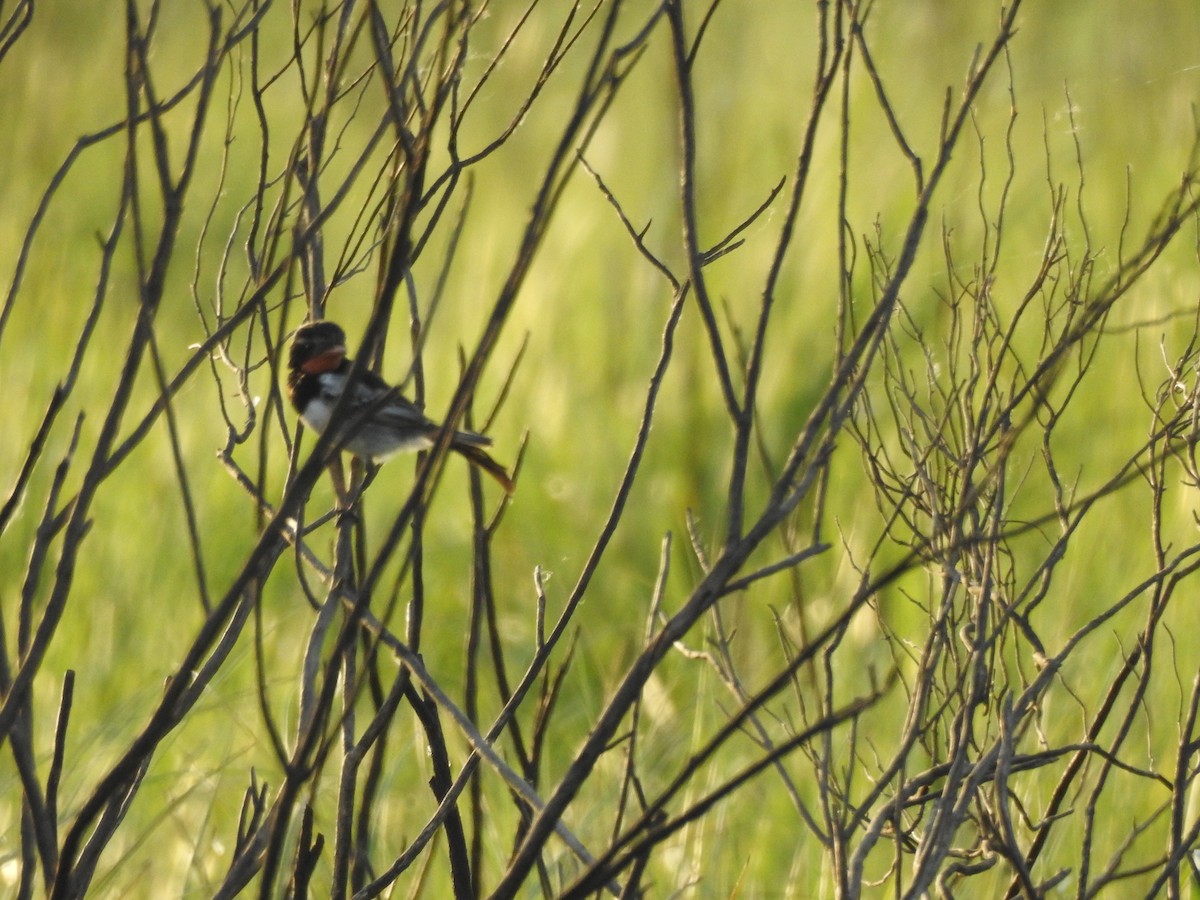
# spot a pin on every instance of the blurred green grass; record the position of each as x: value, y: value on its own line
x: 593, y: 314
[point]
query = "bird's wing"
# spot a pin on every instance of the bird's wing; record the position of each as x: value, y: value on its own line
x: 394, y: 412
x: 399, y: 413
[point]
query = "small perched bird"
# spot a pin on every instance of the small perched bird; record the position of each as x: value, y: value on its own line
x: 378, y: 422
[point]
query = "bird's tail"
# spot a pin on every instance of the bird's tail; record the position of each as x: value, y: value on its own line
x: 472, y: 438
x: 479, y: 457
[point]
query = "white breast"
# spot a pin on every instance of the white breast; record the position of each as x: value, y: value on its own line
x: 317, y: 412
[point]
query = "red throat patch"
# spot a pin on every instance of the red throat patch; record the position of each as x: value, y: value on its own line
x: 324, y: 362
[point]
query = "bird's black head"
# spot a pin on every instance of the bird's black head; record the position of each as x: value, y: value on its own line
x: 317, y: 346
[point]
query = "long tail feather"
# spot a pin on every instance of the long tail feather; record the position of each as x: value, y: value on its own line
x: 478, y: 457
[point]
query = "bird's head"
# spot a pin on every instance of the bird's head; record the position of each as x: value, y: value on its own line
x: 317, y: 347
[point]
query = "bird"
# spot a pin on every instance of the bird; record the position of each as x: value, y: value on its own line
x: 376, y: 422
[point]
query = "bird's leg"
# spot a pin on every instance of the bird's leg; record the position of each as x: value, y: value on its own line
x: 360, y: 476
x: 357, y: 471
x: 367, y: 471
x: 338, y: 476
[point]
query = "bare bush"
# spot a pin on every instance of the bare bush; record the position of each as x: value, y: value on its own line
x: 887, y: 651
